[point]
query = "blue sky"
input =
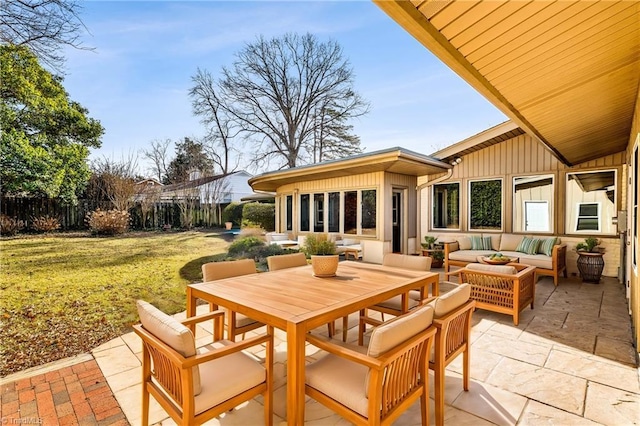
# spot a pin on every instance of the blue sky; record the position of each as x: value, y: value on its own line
x: 137, y: 80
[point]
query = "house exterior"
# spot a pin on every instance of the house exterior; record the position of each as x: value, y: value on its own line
x: 217, y: 189
x: 369, y: 197
x: 567, y: 74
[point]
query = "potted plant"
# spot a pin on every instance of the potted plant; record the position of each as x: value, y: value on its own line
x: 590, y: 260
x: 322, y: 252
x: 429, y: 249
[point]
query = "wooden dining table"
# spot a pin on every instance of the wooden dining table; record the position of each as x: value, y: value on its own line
x: 295, y: 301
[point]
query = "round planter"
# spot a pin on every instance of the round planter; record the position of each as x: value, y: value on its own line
x: 325, y: 266
x: 590, y: 266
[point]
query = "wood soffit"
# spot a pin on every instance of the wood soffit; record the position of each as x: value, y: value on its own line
x: 567, y: 73
x: 395, y: 160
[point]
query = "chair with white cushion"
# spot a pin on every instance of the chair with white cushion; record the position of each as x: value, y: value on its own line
x: 236, y: 323
x: 394, y: 306
x: 195, y: 385
x: 452, y: 319
x: 376, y: 387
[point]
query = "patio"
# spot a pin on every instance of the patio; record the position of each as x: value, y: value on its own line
x: 570, y: 361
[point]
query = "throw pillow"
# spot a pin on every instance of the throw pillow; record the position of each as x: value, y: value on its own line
x: 528, y: 245
x: 477, y: 243
x: 464, y: 243
x: 486, y: 243
x: 546, y: 246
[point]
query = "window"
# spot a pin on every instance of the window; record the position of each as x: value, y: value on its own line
x: 485, y: 205
x: 318, y: 213
x: 369, y: 212
x: 334, y: 212
x: 533, y: 203
x: 289, y: 217
x: 351, y: 212
x: 304, y: 212
x: 446, y: 206
x: 588, y: 217
x: 591, y: 202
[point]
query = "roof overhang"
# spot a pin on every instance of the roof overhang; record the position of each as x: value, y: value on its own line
x: 394, y: 160
x: 485, y: 139
x: 567, y: 73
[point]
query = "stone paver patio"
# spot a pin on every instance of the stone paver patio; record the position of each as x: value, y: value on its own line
x: 570, y: 361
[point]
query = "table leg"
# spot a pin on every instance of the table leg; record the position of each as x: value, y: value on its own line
x: 295, y: 374
x: 191, y: 308
x: 436, y: 285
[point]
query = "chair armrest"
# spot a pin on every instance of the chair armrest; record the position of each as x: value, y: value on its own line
x: 343, y: 352
x: 449, y: 274
x: 228, y: 349
x: 451, y: 246
x: 204, y: 317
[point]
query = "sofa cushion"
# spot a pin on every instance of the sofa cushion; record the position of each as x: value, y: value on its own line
x: 445, y: 239
x: 537, y: 260
x: 480, y: 243
x: 528, y: 245
x: 498, y: 269
x: 546, y: 246
x: 350, y: 241
x: 464, y: 242
x: 469, y: 255
x: 495, y: 240
x: 510, y: 242
x: 170, y: 331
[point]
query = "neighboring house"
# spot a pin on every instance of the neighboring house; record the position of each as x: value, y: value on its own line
x: 217, y: 189
x: 567, y: 75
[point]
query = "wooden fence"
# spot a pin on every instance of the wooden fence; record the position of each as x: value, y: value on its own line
x: 73, y: 217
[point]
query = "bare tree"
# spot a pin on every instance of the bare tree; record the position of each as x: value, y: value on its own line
x: 215, y: 193
x: 42, y: 25
x: 221, y: 129
x: 276, y: 86
x: 333, y: 138
x: 118, y: 181
x: 158, y: 154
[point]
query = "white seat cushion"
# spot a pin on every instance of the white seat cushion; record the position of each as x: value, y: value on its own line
x: 225, y: 377
x: 497, y: 269
x: 342, y: 380
x: 170, y: 331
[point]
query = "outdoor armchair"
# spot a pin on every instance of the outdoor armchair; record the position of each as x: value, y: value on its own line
x: 376, y: 387
x: 452, y: 319
x: 236, y: 323
x: 504, y: 289
x: 195, y: 385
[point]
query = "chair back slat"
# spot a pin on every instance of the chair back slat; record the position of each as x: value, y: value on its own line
x: 166, y: 373
x: 213, y: 271
x: 285, y: 261
x: 456, y: 334
x: 401, y: 378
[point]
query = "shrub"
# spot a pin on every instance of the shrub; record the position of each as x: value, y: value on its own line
x: 45, y: 224
x: 261, y: 214
x: 318, y: 245
x: 251, y: 230
x: 108, y: 222
x: 242, y: 246
x: 233, y: 213
x: 9, y: 225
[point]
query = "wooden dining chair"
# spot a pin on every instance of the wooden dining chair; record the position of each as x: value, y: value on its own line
x: 285, y: 261
x: 376, y: 387
x: 195, y: 385
x: 452, y: 319
x: 236, y: 323
x: 394, y: 306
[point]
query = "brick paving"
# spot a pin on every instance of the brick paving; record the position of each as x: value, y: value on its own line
x: 74, y: 395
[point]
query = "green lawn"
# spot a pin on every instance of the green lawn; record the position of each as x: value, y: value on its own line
x: 65, y: 294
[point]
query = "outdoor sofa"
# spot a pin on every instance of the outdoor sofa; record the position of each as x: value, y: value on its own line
x: 549, y: 257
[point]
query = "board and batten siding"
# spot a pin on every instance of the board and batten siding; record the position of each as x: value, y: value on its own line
x: 523, y: 156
